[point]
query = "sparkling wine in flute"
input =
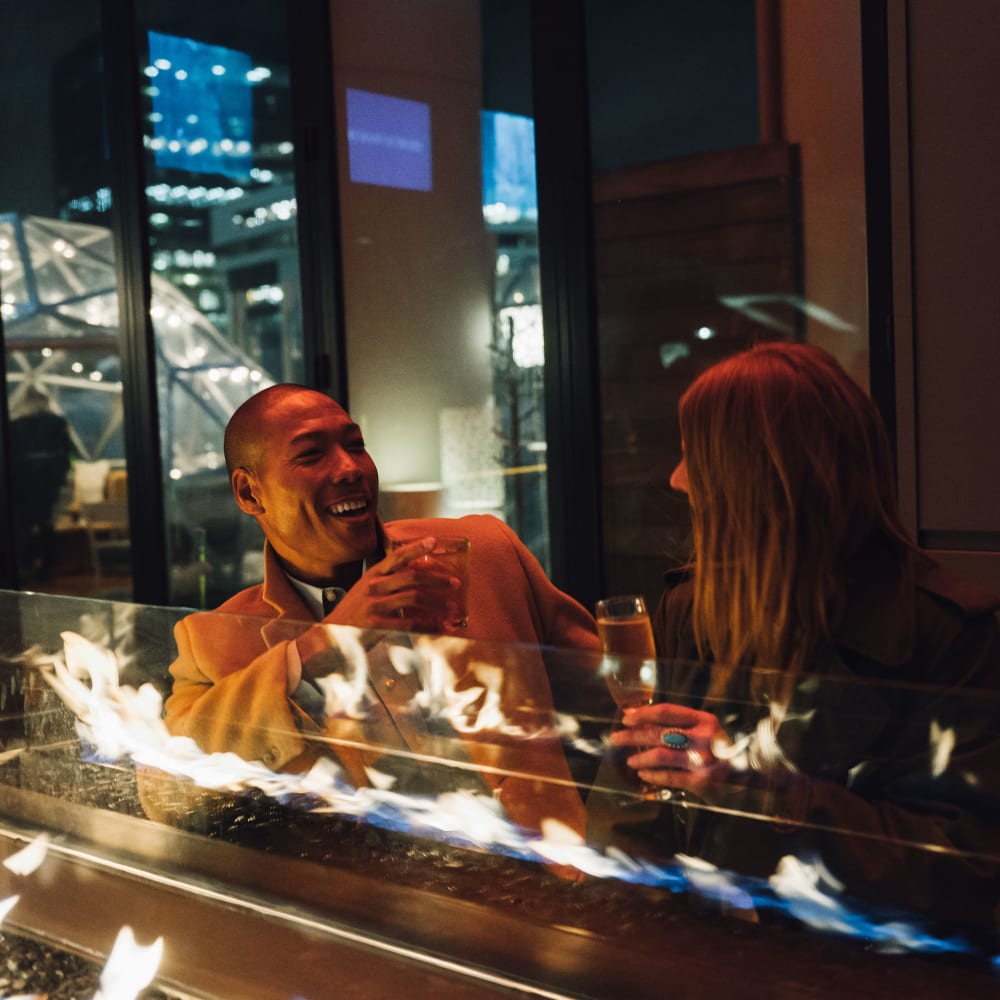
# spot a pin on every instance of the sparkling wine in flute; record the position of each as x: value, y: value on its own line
x: 627, y: 636
x: 625, y: 632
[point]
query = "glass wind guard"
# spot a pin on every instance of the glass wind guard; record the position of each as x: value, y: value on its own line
x: 854, y: 829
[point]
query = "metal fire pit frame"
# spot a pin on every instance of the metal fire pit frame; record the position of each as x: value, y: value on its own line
x: 237, y: 922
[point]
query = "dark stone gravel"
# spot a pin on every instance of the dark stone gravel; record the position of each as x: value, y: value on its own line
x: 30, y: 967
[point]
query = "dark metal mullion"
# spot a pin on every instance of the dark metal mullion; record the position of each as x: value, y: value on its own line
x: 566, y: 261
x: 314, y: 137
x: 122, y: 80
x: 10, y: 571
x: 878, y: 212
x: 8, y: 551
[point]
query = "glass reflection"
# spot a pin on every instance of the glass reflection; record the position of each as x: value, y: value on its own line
x: 58, y: 307
x: 222, y: 223
x: 439, y: 216
x: 728, y: 209
x: 63, y: 339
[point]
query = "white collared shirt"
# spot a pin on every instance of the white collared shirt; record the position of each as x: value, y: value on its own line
x: 312, y: 595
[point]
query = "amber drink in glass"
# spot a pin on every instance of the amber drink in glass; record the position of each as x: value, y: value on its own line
x: 450, y: 553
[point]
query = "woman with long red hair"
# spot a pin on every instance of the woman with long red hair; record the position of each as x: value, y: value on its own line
x: 825, y: 687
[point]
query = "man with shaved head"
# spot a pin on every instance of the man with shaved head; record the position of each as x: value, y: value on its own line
x: 299, y: 467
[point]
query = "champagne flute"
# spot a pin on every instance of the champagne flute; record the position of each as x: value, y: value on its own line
x: 627, y: 635
x: 629, y: 669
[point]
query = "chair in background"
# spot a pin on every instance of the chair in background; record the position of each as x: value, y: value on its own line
x: 101, y: 496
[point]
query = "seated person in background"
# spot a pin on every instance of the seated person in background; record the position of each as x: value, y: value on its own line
x: 41, y: 452
x: 298, y: 466
x: 859, y: 659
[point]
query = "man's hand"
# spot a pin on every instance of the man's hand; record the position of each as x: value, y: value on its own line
x: 408, y: 591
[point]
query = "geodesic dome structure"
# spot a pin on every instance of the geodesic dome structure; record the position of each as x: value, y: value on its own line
x: 59, y: 303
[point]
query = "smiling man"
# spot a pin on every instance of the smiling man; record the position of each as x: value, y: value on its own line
x: 298, y: 465
x: 245, y: 677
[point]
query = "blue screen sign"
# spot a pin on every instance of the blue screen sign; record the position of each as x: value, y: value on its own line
x: 388, y: 141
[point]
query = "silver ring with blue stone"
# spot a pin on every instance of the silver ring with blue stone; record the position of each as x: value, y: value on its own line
x: 675, y: 739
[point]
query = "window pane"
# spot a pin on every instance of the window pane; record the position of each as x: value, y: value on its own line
x: 60, y: 307
x: 222, y: 219
x: 439, y: 215
x: 729, y: 208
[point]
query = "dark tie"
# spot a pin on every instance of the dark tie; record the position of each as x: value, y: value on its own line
x: 331, y: 596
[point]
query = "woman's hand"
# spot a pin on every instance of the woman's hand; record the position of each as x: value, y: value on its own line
x: 687, y: 750
x: 678, y: 747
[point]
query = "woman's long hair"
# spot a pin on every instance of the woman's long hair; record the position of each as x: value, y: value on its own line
x: 790, y: 475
